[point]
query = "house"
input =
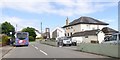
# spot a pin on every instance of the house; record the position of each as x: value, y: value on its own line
x: 38, y: 34
x: 89, y: 36
x: 109, y: 31
x: 46, y: 34
x: 58, y: 32
x: 82, y: 24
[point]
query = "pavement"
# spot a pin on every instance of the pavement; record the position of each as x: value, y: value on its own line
x: 37, y: 50
x: 4, y: 50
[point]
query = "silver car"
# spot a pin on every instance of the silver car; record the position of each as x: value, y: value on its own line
x: 62, y: 41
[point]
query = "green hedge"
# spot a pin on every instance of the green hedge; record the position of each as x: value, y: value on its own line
x: 5, y: 39
x: 31, y: 38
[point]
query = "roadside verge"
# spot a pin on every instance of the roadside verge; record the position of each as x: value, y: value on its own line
x: 6, y: 49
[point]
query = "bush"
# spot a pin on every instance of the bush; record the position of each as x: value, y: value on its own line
x: 31, y: 38
x: 5, y: 40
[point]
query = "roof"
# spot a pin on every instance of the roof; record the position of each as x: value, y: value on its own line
x: 86, y: 33
x: 108, y: 30
x: 86, y: 20
x: 58, y: 28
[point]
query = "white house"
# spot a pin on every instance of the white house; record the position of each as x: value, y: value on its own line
x: 38, y: 34
x: 82, y: 24
x: 58, y: 32
x: 88, y: 36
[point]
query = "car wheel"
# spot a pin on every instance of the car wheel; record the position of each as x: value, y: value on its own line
x: 69, y: 44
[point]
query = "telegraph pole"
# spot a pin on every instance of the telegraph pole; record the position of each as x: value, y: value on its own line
x: 41, y: 27
x: 16, y: 27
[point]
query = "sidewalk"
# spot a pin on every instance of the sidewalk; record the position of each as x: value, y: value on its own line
x: 4, y: 50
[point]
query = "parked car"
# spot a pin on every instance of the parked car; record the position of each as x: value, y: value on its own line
x: 114, y: 39
x: 62, y: 41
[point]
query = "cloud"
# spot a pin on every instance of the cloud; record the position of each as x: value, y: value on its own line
x: 21, y: 23
x: 59, y: 7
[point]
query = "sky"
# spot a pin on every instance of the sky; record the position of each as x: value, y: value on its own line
x: 53, y: 13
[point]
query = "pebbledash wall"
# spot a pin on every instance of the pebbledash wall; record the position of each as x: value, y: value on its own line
x: 103, y: 49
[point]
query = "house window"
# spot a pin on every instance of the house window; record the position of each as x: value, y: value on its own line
x: 88, y: 26
x: 65, y: 34
x: 57, y: 34
x: 92, y: 41
x: 86, y: 36
x: 68, y: 34
x: 71, y: 33
x: 97, y: 26
x: 68, y: 27
x: 82, y: 29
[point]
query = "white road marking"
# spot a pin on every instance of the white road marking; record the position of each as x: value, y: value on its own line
x: 43, y: 52
x: 40, y: 50
x: 36, y: 48
x: 33, y: 45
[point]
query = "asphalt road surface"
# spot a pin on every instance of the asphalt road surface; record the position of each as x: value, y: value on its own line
x: 37, y: 50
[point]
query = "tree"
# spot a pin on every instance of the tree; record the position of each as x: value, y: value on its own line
x: 31, y: 31
x: 7, y: 28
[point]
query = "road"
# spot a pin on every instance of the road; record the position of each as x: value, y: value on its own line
x: 37, y: 50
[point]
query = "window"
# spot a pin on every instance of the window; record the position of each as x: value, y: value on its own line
x: 71, y: 33
x: 86, y: 36
x: 21, y: 36
x: 82, y: 29
x: 65, y: 34
x: 107, y: 38
x: 68, y: 34
x: 92, y: 41
x: 88, y: 26
x: 93, y: 28
x: 57, y: 34
x: 114, y: 37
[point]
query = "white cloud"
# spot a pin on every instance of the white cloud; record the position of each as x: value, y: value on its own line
x: 69, y: 7
x: 21, y: 23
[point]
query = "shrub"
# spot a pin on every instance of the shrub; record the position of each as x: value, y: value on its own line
x: 31, y: 38
x: 5, y: 40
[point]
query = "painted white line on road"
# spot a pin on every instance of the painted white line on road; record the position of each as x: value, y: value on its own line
x: 33, y: 45
x: 43, y: 52
x: 36, y: 48
x: 40, y: 50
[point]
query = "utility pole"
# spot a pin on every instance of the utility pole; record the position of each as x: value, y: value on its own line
x: 41, y: 27
x: 16, y: 27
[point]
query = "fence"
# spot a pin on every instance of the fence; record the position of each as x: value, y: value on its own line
x: 103, y: 49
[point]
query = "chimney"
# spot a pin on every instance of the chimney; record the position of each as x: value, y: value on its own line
x: 67, y: 21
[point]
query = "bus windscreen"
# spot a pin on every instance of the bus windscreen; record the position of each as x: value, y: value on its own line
x: 21, y: 36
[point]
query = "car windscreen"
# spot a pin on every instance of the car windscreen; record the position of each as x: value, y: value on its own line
x: 21, y: 36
